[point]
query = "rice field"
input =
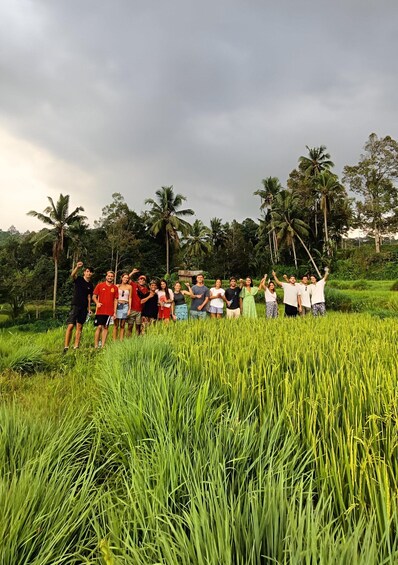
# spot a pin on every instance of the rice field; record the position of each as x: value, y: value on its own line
x: 217, y: 442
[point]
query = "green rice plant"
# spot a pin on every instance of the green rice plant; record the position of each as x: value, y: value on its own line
x: 227, y: 441
x: 47, y: 489
x: 22, y: 358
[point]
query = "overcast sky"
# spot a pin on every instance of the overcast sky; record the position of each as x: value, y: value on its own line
x: 210, y: 96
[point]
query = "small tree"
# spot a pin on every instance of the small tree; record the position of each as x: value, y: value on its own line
x: 373, y: 179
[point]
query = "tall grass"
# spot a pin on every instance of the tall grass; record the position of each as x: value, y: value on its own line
x: 223, y: 442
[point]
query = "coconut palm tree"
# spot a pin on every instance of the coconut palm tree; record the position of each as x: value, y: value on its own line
x: 317, y: 161
x: 329, y: 188
x: 218, y: 235
x: 289, y: 226
x: 272, y: 188
x: 197, y: 242
x: 165, y: 217
x: 58, y: 217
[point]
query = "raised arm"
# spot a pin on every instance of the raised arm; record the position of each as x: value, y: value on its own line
x: 76, y: 268
x: 278, y: 282
x: 263, y: 283
x: 325, y: 276
x: 189, y: 291
x: 133, y: 272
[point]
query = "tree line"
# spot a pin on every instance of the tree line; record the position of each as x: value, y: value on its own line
x: 302, y: 224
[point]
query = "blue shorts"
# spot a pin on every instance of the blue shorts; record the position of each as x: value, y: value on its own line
x: 121, y: 312
x: 198, y: 314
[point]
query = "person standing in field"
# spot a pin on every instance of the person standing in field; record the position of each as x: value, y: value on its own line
x: 246, y: 299
x: 81, y: 302
x: 200, y: 297
x: 179, y: 308
x: 149, y: 303
x: 317, y: 290
x: 271, y: 303
x: 165, y: 300
x: 291, y: 295
x: 232, y: 299
x: 305, y: 294
x: 135, y: 316
x: 217, y: 299
x: 123, y: 305
x: 105, y: 297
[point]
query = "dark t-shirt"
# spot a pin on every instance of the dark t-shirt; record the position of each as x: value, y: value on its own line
x: 150, y: 307
x: 203, y: 291
x: 82, y: 289
x: 233, y: 294
x: 179, y: 298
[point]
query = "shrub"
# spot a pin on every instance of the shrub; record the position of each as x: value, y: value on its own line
x: 336, y: 300
x: 360, y: 285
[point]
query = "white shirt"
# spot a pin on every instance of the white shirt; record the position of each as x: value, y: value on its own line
x: 269, y: 296
x: 162, y: 296
x: 318, y: 292
x: 217, y: 302
x: 305, y: 293
x: 290, y: 294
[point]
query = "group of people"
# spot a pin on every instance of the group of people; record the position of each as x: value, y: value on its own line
x: 136, y: 303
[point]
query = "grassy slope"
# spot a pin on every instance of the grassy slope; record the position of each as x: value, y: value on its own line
x: 204, y: 443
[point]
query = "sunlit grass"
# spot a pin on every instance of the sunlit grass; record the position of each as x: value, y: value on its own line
x: 215, y: 442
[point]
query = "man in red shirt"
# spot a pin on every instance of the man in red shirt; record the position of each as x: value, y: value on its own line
x: 139, y: 289
x: 105, y: 296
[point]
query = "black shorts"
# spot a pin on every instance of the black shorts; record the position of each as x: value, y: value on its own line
x: 102, y: 320
x: 77, y: 315
x: 290, y: 311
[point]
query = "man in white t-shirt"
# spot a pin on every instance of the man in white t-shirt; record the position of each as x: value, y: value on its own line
x: 317, y: 291
x: 291, y: 295
x: 305, y: 296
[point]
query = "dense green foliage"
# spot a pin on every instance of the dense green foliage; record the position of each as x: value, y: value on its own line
x: 214, y: 442
x: 301, y: 229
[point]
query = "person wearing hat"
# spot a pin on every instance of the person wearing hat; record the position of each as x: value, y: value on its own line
x: 135, y: 316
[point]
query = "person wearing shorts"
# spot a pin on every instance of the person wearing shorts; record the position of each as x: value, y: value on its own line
x: 200, y: 297
x: 80, y: 306
x: 139, y: 289
x: 217, y: 299
x: 232, y: 299
x: 291, y: 295
x: 123, y: 306
x: 105, y: 297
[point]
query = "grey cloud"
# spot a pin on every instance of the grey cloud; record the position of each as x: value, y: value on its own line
x: 209, y: 96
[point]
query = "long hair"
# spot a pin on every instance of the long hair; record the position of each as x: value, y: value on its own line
x: 166, y: 290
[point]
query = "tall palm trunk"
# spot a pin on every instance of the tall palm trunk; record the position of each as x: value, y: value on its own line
x: 309, y: 255
x: 294, y: 253
x: 270, y: 247
x: 167, y: 254
x: 325, y: 223
x: 316, y: 217
x: 55, y: 284
x: 276, y: 247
